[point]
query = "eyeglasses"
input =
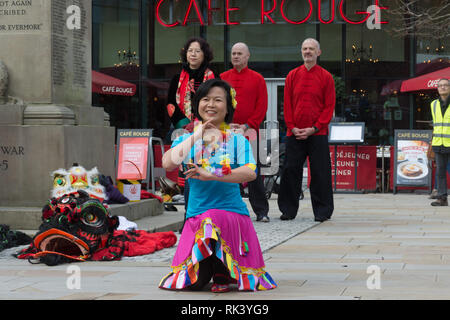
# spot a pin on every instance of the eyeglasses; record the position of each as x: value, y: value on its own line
x: 197, y: 51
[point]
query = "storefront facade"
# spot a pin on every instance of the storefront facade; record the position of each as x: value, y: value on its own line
x: 367, y: 59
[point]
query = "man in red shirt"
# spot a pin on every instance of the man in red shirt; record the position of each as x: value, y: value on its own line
x: 251, y: 97
x: 309, y: 101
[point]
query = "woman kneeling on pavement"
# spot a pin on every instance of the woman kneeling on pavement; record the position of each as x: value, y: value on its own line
x: 218, y: 240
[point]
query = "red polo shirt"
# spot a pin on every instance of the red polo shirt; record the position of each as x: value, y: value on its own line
x: 251, y: 96
x: 309, y: 99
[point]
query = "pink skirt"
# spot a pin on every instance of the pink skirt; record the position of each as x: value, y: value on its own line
x: 235, y: 244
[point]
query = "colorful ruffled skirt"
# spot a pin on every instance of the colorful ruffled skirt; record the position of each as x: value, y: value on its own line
x: 226, y: 235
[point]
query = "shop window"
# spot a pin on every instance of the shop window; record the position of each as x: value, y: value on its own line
x: 115, y: 28
x: 432, y: 54
x: 168, y: 41
x: 331, y: 46
x: 375, y: 58
x: 273, y: 43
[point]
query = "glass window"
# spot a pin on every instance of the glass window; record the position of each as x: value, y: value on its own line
x: 331, y: 42
x: 116, y: 29
x: 331, y: 46
x: 274, y: 42
x: 369, y: 60
x: 375, y: 59
x: 167, y: 52
x: 270, y: 42
x: 173, y: 13
x: 215, y: 35
x: 431, y: 55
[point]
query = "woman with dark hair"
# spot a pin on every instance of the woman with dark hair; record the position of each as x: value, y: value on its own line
x: 196, y: 56
x: 218, y: 240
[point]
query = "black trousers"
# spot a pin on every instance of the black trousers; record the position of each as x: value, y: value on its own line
x: 317, y: 149
x: 256, y: 190
x: 442, y: 160
x: 257, y: 195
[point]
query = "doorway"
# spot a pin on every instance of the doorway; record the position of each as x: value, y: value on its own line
x: 275, y: 116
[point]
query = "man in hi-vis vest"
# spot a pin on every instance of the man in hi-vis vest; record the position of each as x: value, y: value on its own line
x: 441, y: 138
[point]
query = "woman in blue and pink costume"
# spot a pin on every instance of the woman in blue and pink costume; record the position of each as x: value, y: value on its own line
x: 218, y: 240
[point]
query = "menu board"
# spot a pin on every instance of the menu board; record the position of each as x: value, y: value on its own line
x: 132, y: 154
x: 346, y: 132
x: 411, y: 164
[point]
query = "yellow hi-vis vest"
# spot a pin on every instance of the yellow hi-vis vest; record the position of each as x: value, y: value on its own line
x: 441, y: 125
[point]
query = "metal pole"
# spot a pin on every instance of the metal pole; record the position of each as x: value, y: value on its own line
x: 382, y: 169
x: 335, y: 167
x: 356, y: 167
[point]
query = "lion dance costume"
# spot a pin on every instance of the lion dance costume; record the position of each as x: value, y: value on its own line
x: 77, y: 225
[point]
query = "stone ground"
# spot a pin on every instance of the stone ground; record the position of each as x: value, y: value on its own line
x: 376, y: 246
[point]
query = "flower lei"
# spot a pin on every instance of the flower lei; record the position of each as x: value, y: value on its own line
x: 209, y: 150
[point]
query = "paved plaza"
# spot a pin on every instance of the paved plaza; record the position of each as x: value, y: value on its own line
x: 376, y: 246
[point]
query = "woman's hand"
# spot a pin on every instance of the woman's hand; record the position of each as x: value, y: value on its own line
x: 201, y: 128
x: 198, y: 173
x: 173, y: 157
x: 238, y: 175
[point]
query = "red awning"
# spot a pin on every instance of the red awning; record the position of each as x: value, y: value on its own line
x: 425, y: 82
x: 104, y: 84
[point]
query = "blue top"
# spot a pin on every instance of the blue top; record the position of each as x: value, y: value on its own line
x: 205, y: 195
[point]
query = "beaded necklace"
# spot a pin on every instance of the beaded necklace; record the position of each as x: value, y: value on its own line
x: 209, y: 150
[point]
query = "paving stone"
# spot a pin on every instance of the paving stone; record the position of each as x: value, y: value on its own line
x: 402, y: 235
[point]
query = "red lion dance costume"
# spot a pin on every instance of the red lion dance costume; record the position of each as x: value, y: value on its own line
x: 77, y: 226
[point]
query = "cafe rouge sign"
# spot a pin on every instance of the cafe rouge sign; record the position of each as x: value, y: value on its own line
x: 204, y: 16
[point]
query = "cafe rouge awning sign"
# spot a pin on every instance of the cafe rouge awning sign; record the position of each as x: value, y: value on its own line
x: 207, y: 14
x: 105, y: 84
x: 425, y: 82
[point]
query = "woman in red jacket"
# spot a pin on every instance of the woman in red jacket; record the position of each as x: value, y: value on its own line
x: 196, y: 56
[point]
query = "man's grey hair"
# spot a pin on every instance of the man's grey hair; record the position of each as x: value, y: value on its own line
x: 313, y: 40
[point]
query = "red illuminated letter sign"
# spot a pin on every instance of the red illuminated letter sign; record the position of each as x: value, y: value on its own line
x: 158, y: 17
x: 265, y: 13
x: 228, y: 9
x: 199, y: 15
x: 341, y: 9
x: 319, y: 4
x: 377, y: 3
x: 210, y: 12
x: 296, y: 22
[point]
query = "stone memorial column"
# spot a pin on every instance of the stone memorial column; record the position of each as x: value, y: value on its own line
x: 47, y: 120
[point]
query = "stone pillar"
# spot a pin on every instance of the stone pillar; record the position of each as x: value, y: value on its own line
x: 48, y: 121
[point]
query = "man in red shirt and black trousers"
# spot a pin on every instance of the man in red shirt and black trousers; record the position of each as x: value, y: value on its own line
x: 309, y: 101
x: 251, y: 97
